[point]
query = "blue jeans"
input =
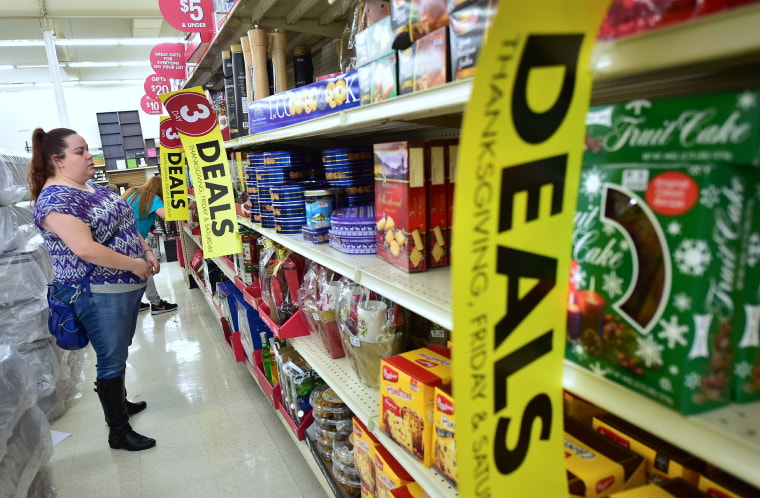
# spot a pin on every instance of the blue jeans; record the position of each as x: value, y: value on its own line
x: 110, y: 321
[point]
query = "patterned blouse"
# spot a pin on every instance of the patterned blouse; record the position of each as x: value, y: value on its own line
x: 106, y: 214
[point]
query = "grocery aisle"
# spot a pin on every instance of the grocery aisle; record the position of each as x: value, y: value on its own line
x: 217, y: 435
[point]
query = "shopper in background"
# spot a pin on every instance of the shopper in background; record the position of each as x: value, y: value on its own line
x: 147, y: 203
x: 82, y: 223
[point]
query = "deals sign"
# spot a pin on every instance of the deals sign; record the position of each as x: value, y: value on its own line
x: 173, y: 176
x: 194, y: 119
x: 522, y: 143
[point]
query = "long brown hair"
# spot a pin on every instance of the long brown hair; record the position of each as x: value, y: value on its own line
x: 145, y: 193
x: 44, y: 147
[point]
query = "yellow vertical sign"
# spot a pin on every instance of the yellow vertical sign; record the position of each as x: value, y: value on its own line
x: 194, y: 119
x: 521, y: 149
x: 173, y: 176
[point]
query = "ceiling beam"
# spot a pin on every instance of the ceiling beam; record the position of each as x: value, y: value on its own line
x: 262, y: 7
x: 334, y: 30
x: 299, y: 10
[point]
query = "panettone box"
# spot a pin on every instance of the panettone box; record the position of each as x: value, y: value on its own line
x: 425, y: 64
x: 597, y: 466
x: 411, y: 490
x: 436, y: 242
x: 719, y: 484
x: 673, y: 488
x: 364, y: 456
x: 663, y: 460
x: 407, y: 396
x: 444, y: 429
x: 653, y: 300
x: 366, y: 493
x: 390, y: 473
x: 401, y: 204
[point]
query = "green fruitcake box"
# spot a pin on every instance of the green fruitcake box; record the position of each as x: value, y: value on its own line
x: 653, y: 275
x: 747, y: 334
x: 714, y: 128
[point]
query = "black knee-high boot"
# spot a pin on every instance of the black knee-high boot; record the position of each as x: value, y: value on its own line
x: 121, y: 435
x: 132, y: 408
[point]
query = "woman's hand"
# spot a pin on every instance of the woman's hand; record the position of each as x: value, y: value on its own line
x: 142, y: 268
x: 151, y: 258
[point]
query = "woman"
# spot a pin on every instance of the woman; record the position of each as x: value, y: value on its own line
x: 76, y: 218
x: 147, y: 202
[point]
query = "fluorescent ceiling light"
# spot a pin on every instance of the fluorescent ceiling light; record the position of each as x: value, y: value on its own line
x: 6, y: 66
x: 22, y: 43
x: 93, y: 64
x: 99, y: 42
x: 36, y: 66
x: 73, y: 83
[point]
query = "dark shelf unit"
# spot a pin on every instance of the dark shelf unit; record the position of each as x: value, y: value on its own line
x: 121, y: 136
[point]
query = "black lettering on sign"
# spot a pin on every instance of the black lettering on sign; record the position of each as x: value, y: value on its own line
x: 174, y: 170
x: 219, y: 229
x: 209, y: 151
x: 176, y: 182
x: 507, y: 461
x: 217, y: 192
x: 545, y: 51
x: 531, y: 177
x: 174, y: 158
x: 214, y: 171
x: 177, y: 203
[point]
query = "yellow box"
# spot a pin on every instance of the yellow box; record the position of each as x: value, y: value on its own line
x: 390, y: 473
x: 365, y: 492
x: 672, y: 488
x: 407, y: 392
x: 411, y: 490
x: 720, y: 484
x: 364, y: 457
x: 444, y: 449
x: 664, y: 460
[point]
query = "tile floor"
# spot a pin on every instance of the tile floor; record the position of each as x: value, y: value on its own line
x: 216, y: 434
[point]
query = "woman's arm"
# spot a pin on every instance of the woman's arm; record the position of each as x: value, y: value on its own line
x: 150, y: 257
x: 78, y: 237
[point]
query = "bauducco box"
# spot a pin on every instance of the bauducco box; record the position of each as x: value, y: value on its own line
x: 436, y: 243
x: 401, y: 204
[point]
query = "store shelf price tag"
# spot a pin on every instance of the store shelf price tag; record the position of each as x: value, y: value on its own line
x: 194, y: 120
x: 173, y: 175
x: 155, y: 85
x: 190, y: 16
x: 521, y: 146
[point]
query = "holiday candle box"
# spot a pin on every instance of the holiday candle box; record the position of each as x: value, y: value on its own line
x: 719, y: 127
x: 401, y: 204
x: 653, y: 299
x: 746, y: 335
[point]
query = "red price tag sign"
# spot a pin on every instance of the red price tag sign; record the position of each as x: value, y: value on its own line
x: 169, y: 138
x: 150, y: 105
x: 168, y: 60
x: 192, y: 113
x: 155, y: 85
x: 190, y: 16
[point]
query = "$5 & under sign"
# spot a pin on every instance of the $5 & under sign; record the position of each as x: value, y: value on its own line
x: 519, y: 166
x: 194, y: 120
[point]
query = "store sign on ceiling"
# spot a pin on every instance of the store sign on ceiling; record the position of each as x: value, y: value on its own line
x: 168, y: 60
x: 173, y: 175
x: 155, y: 85
x: 190, y: 16
x: 150, y: 105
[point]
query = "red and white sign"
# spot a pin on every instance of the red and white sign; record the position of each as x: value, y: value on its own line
x: 155, y: 85
x: 190, y: 16
x: 168, y: 136
x: 150, y: 105
x: 193, y: 114
x: 168, y: 60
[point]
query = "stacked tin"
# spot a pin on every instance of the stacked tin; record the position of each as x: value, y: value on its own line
x: 255, y: 160
x: 351, y: 169
x: 352, y: 230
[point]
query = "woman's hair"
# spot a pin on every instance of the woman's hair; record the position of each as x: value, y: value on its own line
x: 44, y: 147
x: 145, y: 193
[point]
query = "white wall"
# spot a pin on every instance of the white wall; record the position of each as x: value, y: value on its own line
x: 22, y: 110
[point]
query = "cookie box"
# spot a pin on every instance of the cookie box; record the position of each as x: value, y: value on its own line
x: 401, y: 204
x: 407, y: 397
x: 663, y: 460
x: 283, y: 158
x: 292, y: 227
x: 413, y: 19
x: 374, y: 42
x: 425, y: 64
x: 653, y: 298
x: 316, y: 235
x: 342, y: 154
x: 378, y: 81
x: 723, y: 485
x: 444, y: 429
x: 289, y: 210
x: 389, y: 473
x: 352, y: 245
x: 360, y: 200
x: 287, y: 192
x: 597, y: 466
x: 364, y: 455
x: 469, y: 22
x: 356, y: 221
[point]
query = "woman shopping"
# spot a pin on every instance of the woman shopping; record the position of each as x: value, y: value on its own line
x: 147, y: 203
x: 85, y: 223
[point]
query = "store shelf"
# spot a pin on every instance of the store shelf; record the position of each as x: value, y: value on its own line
x: 728, y: 437
x: 404, y: 112
x: 193, y: 237
x: 226, y: 267
x: 428, y: 294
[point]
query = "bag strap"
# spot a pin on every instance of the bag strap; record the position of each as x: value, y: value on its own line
x: 85, y: 285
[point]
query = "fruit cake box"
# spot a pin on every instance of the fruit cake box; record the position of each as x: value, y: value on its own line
x: 653, y: 299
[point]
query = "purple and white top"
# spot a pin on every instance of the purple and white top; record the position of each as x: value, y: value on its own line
x: 106, y: 214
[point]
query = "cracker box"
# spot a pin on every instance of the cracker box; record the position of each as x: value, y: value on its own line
x: 746, y: 335
x: 425, y: 64
x: 436, y: 243
x: 390, y: 473
x: 653, y: 298
x: 673, y: 488
x: 364, y: 457
x: 719, y: 484
x: 378, y: 80
x: 663, y: 460
x: 374, y: 42
x: 444, y: 429
x: 468, y: 27
x: 401, y: 204
x: 719, y: 127
x: 597, y: 466
x: 407, y: 396
x: 411, y: 490
x: 413, y: 19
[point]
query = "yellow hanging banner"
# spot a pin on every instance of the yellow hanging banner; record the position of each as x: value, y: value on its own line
x: 519, y: 164
x: 195, y: 121
x: 173, y: 176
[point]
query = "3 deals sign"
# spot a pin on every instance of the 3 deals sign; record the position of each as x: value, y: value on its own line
x: 522, y: 144
x: 173, y: 176
x: 194, y: 119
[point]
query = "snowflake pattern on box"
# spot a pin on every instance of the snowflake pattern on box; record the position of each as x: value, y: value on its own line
x: 674, y: 228
x: 693, y: 257
x: 673, y: 332
x: 753, y: 250
x: 682, y: 302
x: 743, y: 369
x: 649, y: 351
x: 710, y: 196
x: 591, y: 183
x: 578, y: 277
